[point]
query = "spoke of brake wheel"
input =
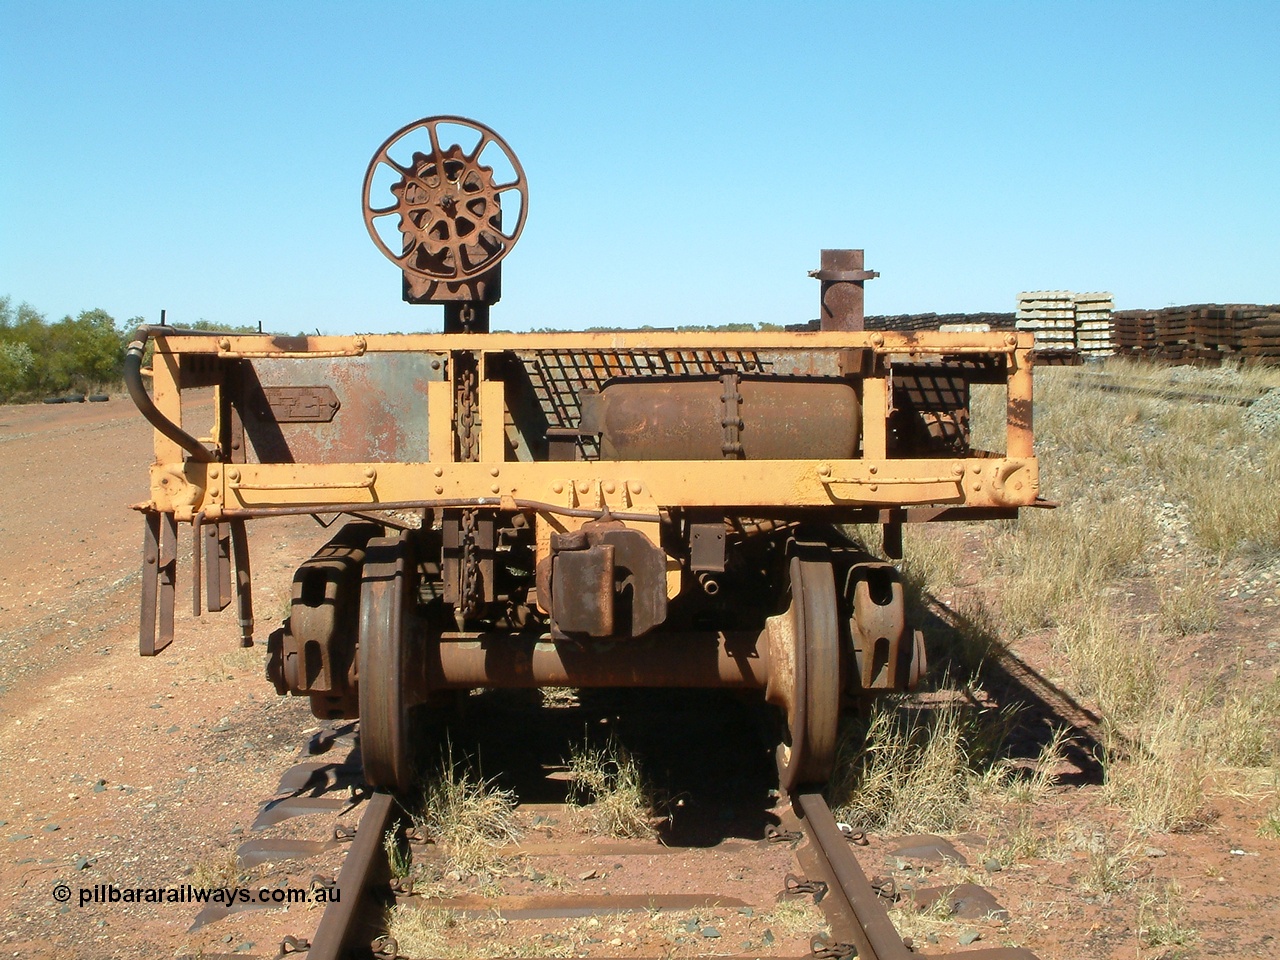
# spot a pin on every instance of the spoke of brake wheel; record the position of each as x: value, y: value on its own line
x: 485, y: 139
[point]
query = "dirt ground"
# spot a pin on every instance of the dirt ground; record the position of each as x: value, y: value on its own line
x: 148, y: 773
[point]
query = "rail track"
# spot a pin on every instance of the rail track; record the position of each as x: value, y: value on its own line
x: 711, y: 887
x: 1229, y: 396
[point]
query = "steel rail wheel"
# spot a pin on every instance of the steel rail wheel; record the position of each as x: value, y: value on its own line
x: 807, y: 753
x: 386, y: 597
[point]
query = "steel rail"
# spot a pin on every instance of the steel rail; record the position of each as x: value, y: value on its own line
x: 1242, y: 397
x: 365, y: 865
x: 852, y: 895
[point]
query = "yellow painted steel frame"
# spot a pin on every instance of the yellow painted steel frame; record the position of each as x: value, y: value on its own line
x: 185, y: 486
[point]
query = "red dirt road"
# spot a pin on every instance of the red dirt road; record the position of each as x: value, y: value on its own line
x: 118, y: 770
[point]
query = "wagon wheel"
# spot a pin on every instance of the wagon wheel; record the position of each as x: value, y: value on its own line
x: 384, y: 662
x: 807, y: 753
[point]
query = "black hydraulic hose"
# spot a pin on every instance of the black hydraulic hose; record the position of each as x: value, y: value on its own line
x: 142, y: 400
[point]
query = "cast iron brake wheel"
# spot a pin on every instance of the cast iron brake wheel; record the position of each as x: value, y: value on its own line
x: 808, y: 752
x: 386, y: 611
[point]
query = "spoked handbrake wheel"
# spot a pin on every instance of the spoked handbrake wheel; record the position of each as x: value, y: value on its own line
x: 805, y: 677
x: 385, y: 661
x: 448, y: 203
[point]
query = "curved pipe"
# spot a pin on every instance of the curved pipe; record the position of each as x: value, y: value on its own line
x: 141, y: 400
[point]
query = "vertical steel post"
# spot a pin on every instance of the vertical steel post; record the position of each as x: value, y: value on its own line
x: 843, y: 276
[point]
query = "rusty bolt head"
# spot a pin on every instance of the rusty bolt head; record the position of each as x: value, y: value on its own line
x: 438, y: 471
x: 224, y: 344
x: 877, y: 340
x: 439, y: 490
x: 583, y: 486
x: 957, y: 469
x: 873, y: 469
x: 874, y: 487
x: 1011, y: 339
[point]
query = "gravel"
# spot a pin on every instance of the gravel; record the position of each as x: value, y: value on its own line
x: 1263, y: 414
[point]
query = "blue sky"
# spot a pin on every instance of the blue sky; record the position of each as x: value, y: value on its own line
x: 686, y: 161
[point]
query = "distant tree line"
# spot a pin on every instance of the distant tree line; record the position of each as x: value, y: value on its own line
x: 81, y: 354
x: 38, y: 358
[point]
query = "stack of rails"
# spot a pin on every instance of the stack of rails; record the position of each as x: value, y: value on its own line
x: 936, y: 321
x: 1050, y: 315
x: 1173, y: 335
x: 914, y: 322
x: 1261, y: 341
x: 1093, y: 325
x: 1135, y: 332
x: 1201, y: 333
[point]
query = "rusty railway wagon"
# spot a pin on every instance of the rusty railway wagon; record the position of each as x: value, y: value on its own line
x: 655, y: 509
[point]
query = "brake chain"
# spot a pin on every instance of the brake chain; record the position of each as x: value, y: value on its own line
x: 469, y: 589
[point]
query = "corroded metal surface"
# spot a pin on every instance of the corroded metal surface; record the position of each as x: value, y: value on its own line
x: 447, y: 204
x: 381, y: 412
x: 386, y: 660
x: 686, y: 418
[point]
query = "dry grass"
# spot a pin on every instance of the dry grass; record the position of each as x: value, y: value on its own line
x: 909, y: 771
x: 930, y: 560
x: 1243, y: 732
x: 398, y: 857
x: 914, y: 770
x: 1161, y: 918
x: 1160, y: 779
x: 975, y: 643
x: 1185, y: 743
x: 1139, y: 476
x: 620, y: 800
x: 422, y: 933
x: 467, y: 816
x: 425, y: 932
x: 1112, y: 863
x: 1060, y: 561
x: 1189, y: 602
x: 1270, y: 826
x: 216, y: 871
x: 1234, y: 511
x: 795, y: 917
x: 1112, y: 662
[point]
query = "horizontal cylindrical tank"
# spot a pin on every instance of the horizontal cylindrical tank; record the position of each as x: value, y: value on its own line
x: 751, y: 417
